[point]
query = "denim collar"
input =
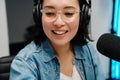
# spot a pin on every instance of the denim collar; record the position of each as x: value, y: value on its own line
x: 48, y: 52
x: 79, y: 51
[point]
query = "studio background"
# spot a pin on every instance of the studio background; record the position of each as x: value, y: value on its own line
x: 16, y: 17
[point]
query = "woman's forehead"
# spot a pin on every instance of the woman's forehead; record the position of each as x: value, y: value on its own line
x: 60, y: 3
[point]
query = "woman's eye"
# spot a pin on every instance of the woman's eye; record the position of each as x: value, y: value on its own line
x: 50, y: 14
x: 68, y: 14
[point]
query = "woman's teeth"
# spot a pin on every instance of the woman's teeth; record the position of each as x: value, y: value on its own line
x: 59, y: 32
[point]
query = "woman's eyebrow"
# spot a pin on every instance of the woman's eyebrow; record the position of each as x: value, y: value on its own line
x: 50, y: 7
x: 66, y: 7
x: 69, y: 7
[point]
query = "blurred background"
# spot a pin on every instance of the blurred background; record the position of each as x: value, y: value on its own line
x: 16, y: 22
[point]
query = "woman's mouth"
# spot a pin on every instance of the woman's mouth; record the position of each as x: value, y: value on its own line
x: 59, y: 32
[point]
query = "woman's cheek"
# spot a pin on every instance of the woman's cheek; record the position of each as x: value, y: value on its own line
x: 46, y: 27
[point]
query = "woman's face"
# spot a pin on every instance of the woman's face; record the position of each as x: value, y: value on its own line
x: 60, y: 20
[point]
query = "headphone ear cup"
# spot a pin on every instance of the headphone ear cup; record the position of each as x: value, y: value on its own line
x: 85, y: 15
x: 36, y: 14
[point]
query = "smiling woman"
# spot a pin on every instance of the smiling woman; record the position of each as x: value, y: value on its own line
x: 60, y: 50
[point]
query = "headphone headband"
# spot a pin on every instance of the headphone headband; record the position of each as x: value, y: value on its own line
x: 87, y: 2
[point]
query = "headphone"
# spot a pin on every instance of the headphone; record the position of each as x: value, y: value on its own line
x: 36, y: 12
x: 84, y: 16
x: 85, y: 12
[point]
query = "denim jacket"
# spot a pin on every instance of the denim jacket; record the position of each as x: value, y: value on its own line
x: 39, y: 62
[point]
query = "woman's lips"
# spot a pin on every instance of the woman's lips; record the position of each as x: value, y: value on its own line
x: 59, y: 32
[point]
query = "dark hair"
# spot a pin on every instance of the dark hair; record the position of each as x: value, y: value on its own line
x: 82, y: 36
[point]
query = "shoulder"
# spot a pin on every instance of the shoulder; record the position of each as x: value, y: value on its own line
x: 37, y: 52
x: 84, y: 51
x: 89, y: 46
x: 25, y: 62
x: 89, y: 49
x: 29, y: 50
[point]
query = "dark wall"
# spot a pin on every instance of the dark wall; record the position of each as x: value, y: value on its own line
x: 19, y: 16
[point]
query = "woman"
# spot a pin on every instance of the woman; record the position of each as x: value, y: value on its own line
x: 61, y: 49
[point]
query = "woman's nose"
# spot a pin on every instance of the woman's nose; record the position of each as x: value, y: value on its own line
x: 59, y: 21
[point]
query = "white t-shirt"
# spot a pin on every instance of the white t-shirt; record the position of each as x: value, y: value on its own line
x: 75, y: 75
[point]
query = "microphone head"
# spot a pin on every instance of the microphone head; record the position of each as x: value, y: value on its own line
x: 109, y: 45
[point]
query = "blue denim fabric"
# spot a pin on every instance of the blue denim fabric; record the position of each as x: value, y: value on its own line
x: 39, y: 62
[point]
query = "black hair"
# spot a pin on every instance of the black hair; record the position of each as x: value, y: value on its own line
x: 82, y: 36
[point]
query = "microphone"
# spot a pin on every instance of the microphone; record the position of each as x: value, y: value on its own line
x: 109, y: 45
